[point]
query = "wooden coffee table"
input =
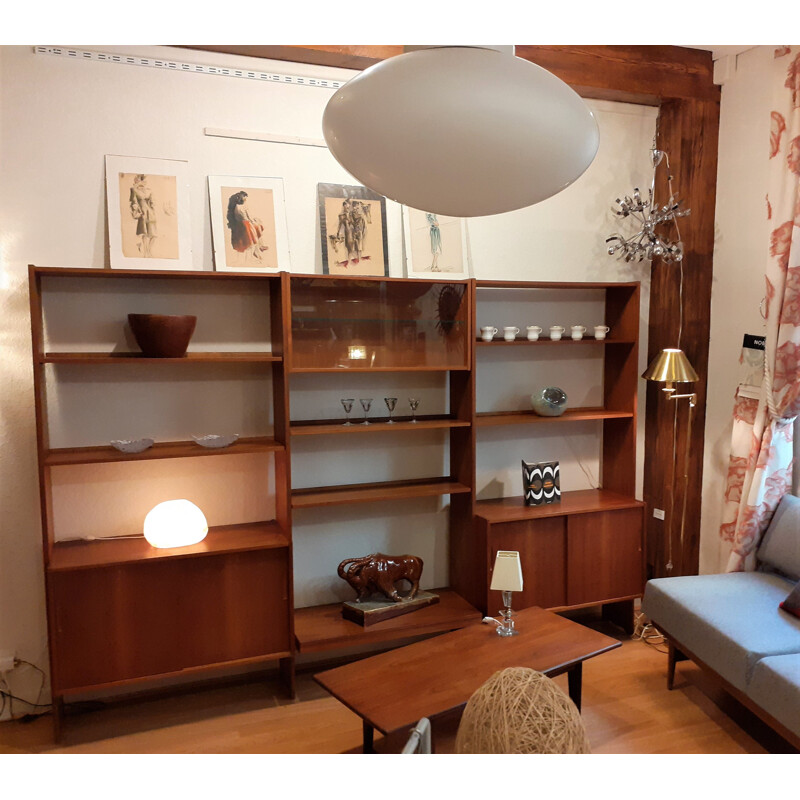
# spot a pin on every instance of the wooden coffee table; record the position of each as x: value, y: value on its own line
x: 396, y: 689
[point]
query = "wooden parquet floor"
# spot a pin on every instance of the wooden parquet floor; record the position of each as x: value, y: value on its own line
x: 626, y: 709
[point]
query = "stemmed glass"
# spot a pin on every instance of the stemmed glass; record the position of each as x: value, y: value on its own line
x: 391, y: 402
x: 348, y: 407
x: 365, y: 404
x: 413, y: 403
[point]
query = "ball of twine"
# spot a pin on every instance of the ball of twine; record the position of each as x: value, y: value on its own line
x: 520, y: 710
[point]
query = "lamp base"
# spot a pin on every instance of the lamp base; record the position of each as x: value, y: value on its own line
x: 506, y: 627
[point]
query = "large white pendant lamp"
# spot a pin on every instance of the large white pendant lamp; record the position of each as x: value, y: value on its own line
x: 460, y: 131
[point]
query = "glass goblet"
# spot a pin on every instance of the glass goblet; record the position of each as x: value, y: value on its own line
x: 391, y: 402
x: 413, y: 403
x: 348, y: 407
x: 365, y: 404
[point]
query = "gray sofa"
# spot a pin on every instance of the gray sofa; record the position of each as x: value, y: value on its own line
x: 731, y: 625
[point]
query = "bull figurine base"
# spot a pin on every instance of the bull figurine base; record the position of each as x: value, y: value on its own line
x: 369, y: 612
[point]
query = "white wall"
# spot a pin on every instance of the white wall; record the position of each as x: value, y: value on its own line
x: 60, y: 117
x: 739, y: 260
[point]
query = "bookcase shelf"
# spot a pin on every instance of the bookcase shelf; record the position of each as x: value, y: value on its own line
x: 372, y: 492
x: 222, y: 539
x: 322, y: 628
x: 544, y: 341
x: 487, y: 419
x: 376, y: 425
x: 138, y: 358
x: 68, y: 456
x: 583, y: 501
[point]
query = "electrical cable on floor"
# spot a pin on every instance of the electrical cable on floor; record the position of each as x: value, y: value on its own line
x: 649, y: 634
x: 41, y: 685
x: 21, y: 700
x: 6, y: 692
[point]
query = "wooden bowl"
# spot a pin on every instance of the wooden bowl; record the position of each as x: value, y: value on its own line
x: 162, y: 335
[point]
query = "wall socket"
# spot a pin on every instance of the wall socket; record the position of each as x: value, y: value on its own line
x: 7, y: 660
x: 658, y: 513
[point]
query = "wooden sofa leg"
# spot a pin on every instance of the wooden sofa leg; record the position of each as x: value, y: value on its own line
x: 673, y: 657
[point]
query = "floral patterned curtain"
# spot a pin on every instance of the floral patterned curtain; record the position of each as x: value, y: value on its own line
x: 760, y: 468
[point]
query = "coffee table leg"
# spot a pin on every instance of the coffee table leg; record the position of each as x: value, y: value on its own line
x: 369, y: 737
x: 575, y: 681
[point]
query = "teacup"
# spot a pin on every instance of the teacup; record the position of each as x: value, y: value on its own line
x: 510, y: 333
x: 488, y: 333
x: 600, y: 331
x: 555, y: 332
x: 533, y: 332
x: 577, y: 332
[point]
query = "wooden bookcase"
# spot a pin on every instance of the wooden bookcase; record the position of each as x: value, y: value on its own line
x: 385, y: 325
x: 588, y: 549
x: 120, y: 612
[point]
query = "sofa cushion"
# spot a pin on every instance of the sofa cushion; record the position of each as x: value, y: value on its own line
x: 780, y: 547
x: 728, y: 621
x: 775, y: 687
x: 792, y: 602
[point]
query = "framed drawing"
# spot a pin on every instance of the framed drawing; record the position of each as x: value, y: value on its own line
x: 436, y: 246
x: 149, y: 220
x: 352, y: 221
x: 248, y: 224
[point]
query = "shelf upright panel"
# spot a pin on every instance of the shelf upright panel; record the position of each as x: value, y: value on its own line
x: 280, y: 320
x: 45, y: 482
x: 466, y: 570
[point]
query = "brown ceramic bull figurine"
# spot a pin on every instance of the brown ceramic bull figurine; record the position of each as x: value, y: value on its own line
x: 379, y: 573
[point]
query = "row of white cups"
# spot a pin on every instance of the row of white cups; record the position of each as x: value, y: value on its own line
x: 533, y: 331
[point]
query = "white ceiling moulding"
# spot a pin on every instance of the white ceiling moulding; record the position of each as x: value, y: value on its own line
x: 186, y: 66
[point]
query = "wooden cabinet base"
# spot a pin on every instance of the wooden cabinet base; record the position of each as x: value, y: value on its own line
x: 132, y: 621
x: 585, y: 551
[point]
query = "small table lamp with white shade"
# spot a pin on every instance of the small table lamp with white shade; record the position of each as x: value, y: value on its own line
x: 506, y: 578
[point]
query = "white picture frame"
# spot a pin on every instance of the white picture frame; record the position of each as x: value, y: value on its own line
x: 248, y: 224
x: 149, y: 214
x: 435, y: 246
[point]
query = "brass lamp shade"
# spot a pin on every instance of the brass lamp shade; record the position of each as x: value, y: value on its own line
x: 670, y: 366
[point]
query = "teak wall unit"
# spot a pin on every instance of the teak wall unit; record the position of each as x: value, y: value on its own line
x: 120, y: 611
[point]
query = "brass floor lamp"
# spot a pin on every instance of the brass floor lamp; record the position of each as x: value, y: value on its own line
x: 669, y: 367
